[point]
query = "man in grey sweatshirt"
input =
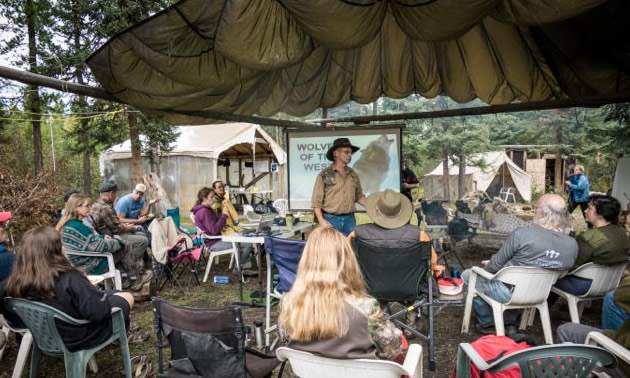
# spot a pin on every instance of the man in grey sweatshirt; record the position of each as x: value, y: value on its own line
x: 544, y: 245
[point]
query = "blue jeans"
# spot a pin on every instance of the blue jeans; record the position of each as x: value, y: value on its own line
x: 612, y: 315
x: 572, y: 285
x: 342, y: 223
x: 496, y: 290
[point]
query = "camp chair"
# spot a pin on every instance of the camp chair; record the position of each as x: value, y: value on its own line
x: 402, y: 275
x: 284, y: 254
x: 599, y: 339
x: 112, y: 276
x: 308, y: 365
x: 25, y: 345
x: 506, y: 193
x: 40, y: 320
x: 604, y: 278
x: 531, y: 287
x: 181, y: 258
x: 560, y: 360
x: 207, y: 342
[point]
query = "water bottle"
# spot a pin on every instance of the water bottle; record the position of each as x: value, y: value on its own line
x: 259, y: 334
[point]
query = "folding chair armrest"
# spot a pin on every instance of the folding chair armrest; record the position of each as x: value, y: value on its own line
x: 107, y: 255
x: 482, y: 272
x: 465, y: 355
x: 597, y: 338
x: 413, y: 361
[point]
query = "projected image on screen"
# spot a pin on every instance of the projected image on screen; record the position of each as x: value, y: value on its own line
x: 377, y: 162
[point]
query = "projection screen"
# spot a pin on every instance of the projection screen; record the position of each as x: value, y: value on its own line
x: 377, y: 162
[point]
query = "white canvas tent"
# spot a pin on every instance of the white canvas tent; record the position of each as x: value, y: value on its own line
x: 192, y: 163
x: 500, y: 171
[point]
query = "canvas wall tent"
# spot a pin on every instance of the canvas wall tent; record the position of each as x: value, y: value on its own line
x: 217, y: 55
x: 192, y: 163
x: 499, y: 172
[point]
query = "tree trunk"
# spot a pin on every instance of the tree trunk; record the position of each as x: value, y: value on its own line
x: 136, y: 156
x: 155, y: 161
x: 87, y: 169
x: 447, y: 189
x: 557, y: 174
x: 460, y: 177
x: 33, y: 98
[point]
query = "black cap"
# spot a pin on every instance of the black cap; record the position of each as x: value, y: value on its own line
x: 66, y: 195
x: 108, y: 187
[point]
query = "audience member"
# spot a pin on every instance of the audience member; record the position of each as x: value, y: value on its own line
x: 544, y: 245
x: 78, y: 236
x: 43, y: 273
x: 221, y: 201
x: 106, y: 222
x: 576, y: 333
x: 328, y: 311
x: 212, y: 224
x: 6, y: 257
x: 391, y: 211
x: 132, y: 208
x: 605, y: 244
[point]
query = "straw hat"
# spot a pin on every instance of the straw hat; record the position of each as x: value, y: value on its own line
x: 389, y: 209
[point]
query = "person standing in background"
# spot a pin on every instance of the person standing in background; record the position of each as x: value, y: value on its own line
x: 579, y: 191
x: 409, y: 180
x: 337, y: 189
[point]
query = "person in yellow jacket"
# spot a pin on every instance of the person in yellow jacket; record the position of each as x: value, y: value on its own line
x: 221, y: 200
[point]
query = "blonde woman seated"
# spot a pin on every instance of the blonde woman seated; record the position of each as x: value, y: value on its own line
x: 77, y: 235
x: 328, y: 311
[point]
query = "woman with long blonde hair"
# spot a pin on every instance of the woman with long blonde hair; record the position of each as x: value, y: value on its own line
x: 76, y: 235
x: 328, y: 310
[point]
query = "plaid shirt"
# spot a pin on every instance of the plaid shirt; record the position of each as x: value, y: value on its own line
x: 106, y: 221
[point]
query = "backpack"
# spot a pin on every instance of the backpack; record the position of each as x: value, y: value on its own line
x: 492, y: 348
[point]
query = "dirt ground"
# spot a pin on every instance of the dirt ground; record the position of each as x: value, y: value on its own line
x: 447, y: 323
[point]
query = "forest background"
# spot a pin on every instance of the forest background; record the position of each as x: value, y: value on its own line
x: 50, y: 141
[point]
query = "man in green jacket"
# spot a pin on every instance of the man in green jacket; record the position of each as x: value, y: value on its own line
x: 605, y: 244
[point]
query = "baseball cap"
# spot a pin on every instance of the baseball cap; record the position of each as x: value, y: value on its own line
x: 5, y: 216
x: 141, y: 188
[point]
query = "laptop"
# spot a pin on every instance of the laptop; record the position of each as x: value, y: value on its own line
x: 264, y: 226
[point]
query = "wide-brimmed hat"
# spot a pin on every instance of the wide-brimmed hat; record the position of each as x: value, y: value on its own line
x: 389, y: 209
x: 338, y: 143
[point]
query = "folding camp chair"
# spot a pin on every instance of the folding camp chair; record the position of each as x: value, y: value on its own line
x: 181, y: 258
x: 284, y: 254
x: 207, y: 342
x: 402, y: 275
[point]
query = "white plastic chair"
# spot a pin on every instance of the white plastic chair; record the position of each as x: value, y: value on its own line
x: 604, y: 277
x: 212, y: 255
x: 112, y: 273
x: 308, y: 365
x: 598, y: 338
x: 506, y: 192
x: 25, y: 346
x: 531, y: 289
x: 282, y: 206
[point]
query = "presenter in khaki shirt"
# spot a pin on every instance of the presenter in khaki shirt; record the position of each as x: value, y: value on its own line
x: 337, y: 189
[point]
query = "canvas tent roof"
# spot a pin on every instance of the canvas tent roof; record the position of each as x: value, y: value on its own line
x: 210, y: 141
x: 294, y: 56
x: 484, y: 177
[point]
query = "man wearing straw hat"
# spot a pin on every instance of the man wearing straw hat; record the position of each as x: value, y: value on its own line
x: 391, y: 211
x: 337, y: 189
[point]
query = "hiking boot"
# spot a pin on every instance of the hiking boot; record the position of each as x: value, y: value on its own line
x: 485, y: 330
x: 140, y: 281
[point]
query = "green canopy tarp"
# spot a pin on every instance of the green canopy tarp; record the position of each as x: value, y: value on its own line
x: 265, y: 56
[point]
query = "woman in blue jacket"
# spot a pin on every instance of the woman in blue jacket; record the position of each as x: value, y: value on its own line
x: 579, y: 190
